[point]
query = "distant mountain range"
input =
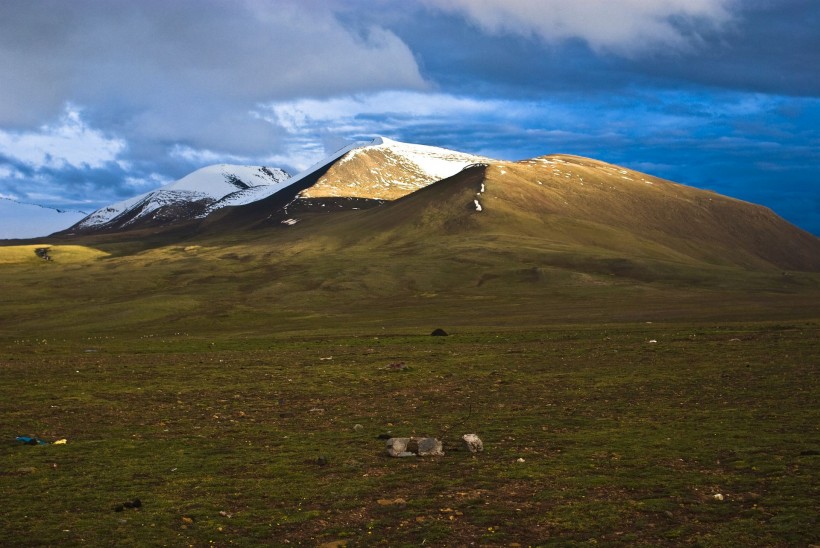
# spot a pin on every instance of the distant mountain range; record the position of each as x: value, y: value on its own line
x: 21, y: 220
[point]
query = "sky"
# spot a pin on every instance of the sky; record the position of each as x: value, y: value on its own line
x: 101, y: 100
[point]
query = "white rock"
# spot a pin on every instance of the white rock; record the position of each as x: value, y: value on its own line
x: 472, y: 443
x: 396, y: 446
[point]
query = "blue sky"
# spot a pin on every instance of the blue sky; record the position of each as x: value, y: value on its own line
x: 105, y: 99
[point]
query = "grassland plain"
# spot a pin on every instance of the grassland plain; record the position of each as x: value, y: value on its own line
x: 622, y: 440
x: 207, y: 377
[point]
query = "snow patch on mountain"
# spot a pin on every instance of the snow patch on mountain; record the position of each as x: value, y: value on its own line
x: 204, y: 187
x: 385, y: 169
x: 19, y: 220
x: 438, y: 163
x: 255, y: 194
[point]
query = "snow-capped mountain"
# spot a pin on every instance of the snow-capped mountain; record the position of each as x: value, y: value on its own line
x: 259, y: 193
x: 33, y: 221
x: 387, y: 170
x: 380, y: 170
x: 184, y: 199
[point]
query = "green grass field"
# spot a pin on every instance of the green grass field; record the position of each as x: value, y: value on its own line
x: 623, y: 441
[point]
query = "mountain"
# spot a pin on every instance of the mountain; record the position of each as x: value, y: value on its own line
x: 387, y: 170
x: 359, y: 175
x: 33, y: 221
x: 552, y: 239
x: 184, y: 199
x: 580, y: 213
x: 577, y: 214
x: 560, y: 211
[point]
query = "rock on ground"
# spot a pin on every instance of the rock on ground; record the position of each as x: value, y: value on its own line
x: 411, y: 447
x: 472, y: 443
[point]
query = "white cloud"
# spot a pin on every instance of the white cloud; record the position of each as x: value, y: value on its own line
x: 177, y: 71
x: 368, y: 114
x: 144, y: 184
x: 69, y: 143
x: 205, y: 156
x: 626, y: 27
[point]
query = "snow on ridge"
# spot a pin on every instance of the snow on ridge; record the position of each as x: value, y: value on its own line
x: 215, y: 180
x: 255, y: 194
x: 436, y: 162
x: 208, y: 184
x: 112, y: 211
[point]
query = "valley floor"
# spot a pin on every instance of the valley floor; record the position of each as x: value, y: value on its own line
x: 631, y: 434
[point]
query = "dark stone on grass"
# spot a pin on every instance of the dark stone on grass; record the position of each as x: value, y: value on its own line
x: 136, y: 503
x: 438, y: 333
x: 321, y: 460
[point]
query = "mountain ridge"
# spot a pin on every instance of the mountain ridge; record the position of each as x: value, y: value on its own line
x: 578, y: 211
x: 183, y: 199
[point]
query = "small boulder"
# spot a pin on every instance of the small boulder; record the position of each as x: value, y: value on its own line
x: 438, y: 333
x: 411, y: 447
x: 396, y: 447
x: 472, y: 443
x: 429, y: 447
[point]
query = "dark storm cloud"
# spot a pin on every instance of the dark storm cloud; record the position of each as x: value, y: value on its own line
x: 167, y: 68
x: 766, y: 46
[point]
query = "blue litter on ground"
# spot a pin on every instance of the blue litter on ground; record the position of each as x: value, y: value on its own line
x: 28, y: 440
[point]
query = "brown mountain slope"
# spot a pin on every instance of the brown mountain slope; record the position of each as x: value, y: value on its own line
x: 572, y: 210
x: 699, y: 224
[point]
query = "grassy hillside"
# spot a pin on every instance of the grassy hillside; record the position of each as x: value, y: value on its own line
x: 428, y: 258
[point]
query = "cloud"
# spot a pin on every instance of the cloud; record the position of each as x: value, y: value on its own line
x: 626, y: 27
x: 187, y: 71
x: 71, y: 143
x: 317, y: 127
x: 362, y: 113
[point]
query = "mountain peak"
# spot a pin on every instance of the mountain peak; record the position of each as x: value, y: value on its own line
x: 184, y: 199
x: 386, y: 170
